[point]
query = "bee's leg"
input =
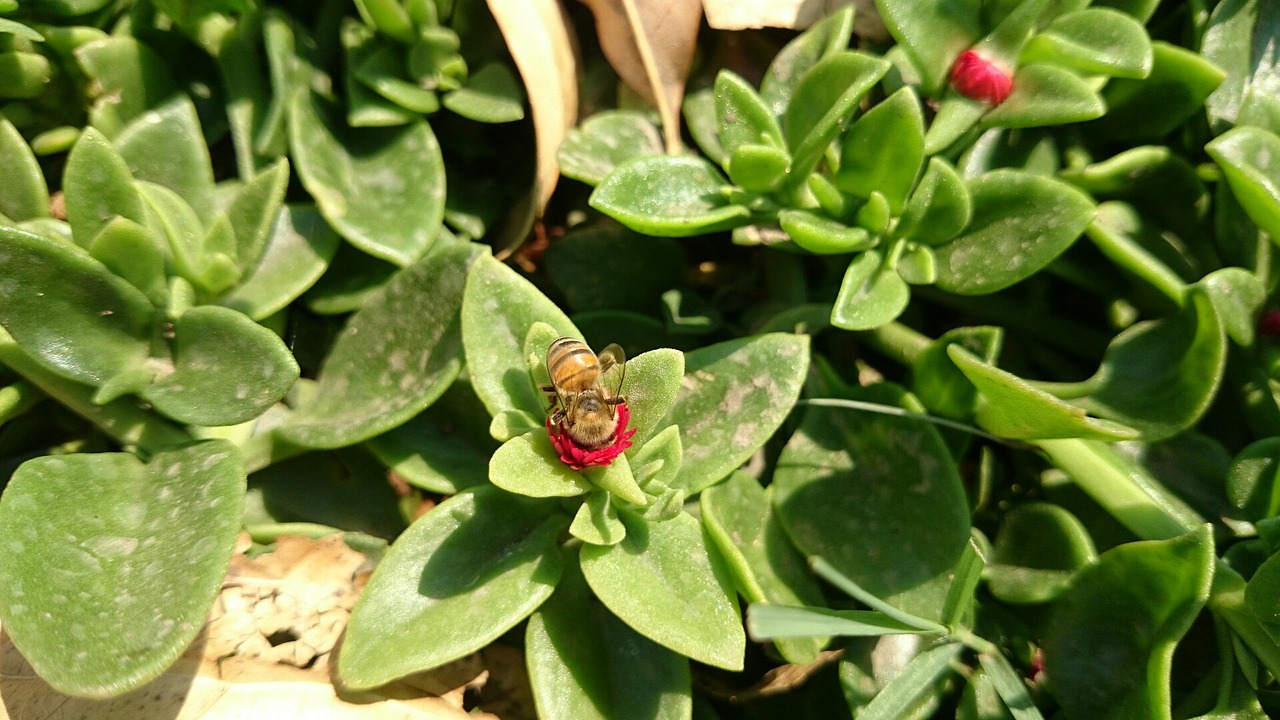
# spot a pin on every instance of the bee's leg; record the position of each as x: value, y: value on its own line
x: 556, y: 416
x: 615, y: 400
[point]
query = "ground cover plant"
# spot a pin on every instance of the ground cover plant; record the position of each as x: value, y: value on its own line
x: 947, y: 369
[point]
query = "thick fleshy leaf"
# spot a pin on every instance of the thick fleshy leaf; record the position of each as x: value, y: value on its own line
x: 902, y: 694
x: 226, y: 369
x: 345, y: 489
x: 668, y: 197
x: 1262, y: 594
x: 1109, y: 649
x: 1013, y: 408
x: 1147, y: 109
x: 597, y: 520
x: 823, y: 236
x: 932, y: 34
x: 98, y: 186
x: 128, y: 78
x: 134, y: 253
x: 1236, y: 40
x: 733, y: 397
x: 936, y: 380
x: 825, y: 99
x: 528, y: 465
x: 394, y: 357
x: 164, y: 145
x: 459, y: 577
x: 939, y: 207
x: 443, y: 450
x: 131, y: 575
x: 742, y: 116
x: 652, y: 384
x: 759, y: 168
x: 739, y: 518
x: 870, y: 295
x: 883, y: 150
x: 1037, y: 551
x: 1021, y: 222
x: 298, y: 249
x: 839, y: 488
x: 1237, y: 296
x: 1251, y: 170
x: 586, y: 664
x: 823, y: 39
x: 1160, y: 376
x: 381, y: 188
x: 69, y: 312
x: 498, y: 308
x: 1253, y: 483
x: 667, y: 584
x: 606, y: 140
x: 1093, y: 41
x: 492, y: 94
x: 1046, y: 95
x: 586, y: 263
x: 23, y: 193
x: 253, y: 212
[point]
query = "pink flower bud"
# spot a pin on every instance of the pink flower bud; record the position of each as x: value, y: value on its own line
x: 977, y: 78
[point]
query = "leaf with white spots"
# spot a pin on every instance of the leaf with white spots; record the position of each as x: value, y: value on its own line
x: 733, y: 397
x: 394, y: 358
x: 101, y: 597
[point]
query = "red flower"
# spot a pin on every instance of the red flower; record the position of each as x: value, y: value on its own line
x: 977, y: 78
x: 579, y: 458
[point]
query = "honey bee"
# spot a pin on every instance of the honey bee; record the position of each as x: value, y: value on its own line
x: 584, y: 391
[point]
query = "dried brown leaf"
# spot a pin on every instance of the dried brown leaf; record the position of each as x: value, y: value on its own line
x: 650, y: 44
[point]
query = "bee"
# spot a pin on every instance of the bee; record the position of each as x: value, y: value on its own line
x: 584, y: 388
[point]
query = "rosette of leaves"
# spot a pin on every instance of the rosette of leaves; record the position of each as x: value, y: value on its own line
x: 407, y: 59
x: 800, y: 169
x: 544, y: 542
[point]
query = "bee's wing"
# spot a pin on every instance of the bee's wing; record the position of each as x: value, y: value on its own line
x: 613, y: 366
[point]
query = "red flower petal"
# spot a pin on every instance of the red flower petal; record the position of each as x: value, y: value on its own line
x: 579, y: 458
x: 978, y: 78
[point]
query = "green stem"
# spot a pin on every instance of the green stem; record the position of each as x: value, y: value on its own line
x: 1124, y: 490
x: 897, y: 341
x: 1123, y: 251
x: 17, y: 398
x: 898, y: 412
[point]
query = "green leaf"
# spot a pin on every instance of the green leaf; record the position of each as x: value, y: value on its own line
x: 1021, y: 222
x: 823, y: 236
x: 381, y: 188
x: 13, y: 27
x: 668, y: 585
x: 586, y: 263
x: 345, y: 489
x: 823, y: 39
x: 1093, y: 41
x: 226, y: 369
x: 915, y: 680
x: 134, y: 253
x: 1237, y: 296
x: 98, y: 186
x: 839, y: 488
x: 1010, y: 686
x: 382, y: 70
x: 459, y: 577
x: 1160, y: 376
x: 164, y: 145
x: 651, y: 386
x: 586, y: 664
x: 1147, y: 109
x: 668, y: 197
x: 1262, y: 594
x: 936, y: 380
x: 1037, y: 552
x: 1252, y: 173
x: 1046, y: 95
x: 870, y: 295
x: 1010, y: 407
x: 23, y: 193
x: 759, y: 168
x: 1109, y: 648
x: 366, y: 108
x: 128, y: 78
x: 443, y: 450
x: 825, y: 99
x: 734, y: 396
x: 24, y: 75
x: 781, y: 622
x: 932, y: 33
x: 742, y: 117
x: 606, y: 140
x: 739, y: 518
x: 1236, y: 40
x: 939, y: 207
x: 389, y: 17
x: 69, y: 312
x: 492, y: 94
x: 1252, y: 483
x: 597, y: 521
x: 136, y: 570
x: 394, y: 357
x: 254, y: 211
x: 883, y: 150
x: 498, y: 308
x: 528, y: 465
x: 299, y: 246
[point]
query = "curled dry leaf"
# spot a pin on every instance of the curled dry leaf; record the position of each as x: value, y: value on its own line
x: 650, y: 45
x: 792, y: 15
x: 537, y: 34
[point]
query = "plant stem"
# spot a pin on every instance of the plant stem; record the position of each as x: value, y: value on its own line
x: 898, y: 341
x: 1131, y: 256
